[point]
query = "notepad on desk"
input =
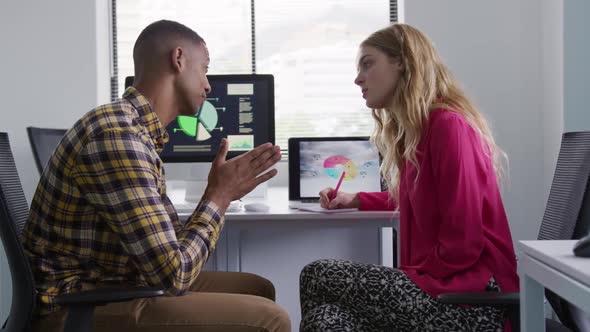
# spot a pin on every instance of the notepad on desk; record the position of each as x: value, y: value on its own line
x: 322, y: 210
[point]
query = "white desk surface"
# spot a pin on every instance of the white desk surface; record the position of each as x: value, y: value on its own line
x: 277, y: 199
x: 551, y: 265
x: 559, y: 255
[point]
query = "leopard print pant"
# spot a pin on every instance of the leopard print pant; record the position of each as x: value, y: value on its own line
x: 345, y: 296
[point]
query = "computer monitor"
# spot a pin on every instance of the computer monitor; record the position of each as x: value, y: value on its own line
x: 43, y: 143
x: 239, y: 107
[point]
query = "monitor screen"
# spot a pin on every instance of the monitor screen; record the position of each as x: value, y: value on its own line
x: 239, y: 107
x: 321, y: 164
x: 316, y: 163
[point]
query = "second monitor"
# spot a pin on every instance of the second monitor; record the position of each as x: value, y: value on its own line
x: 239, y: 107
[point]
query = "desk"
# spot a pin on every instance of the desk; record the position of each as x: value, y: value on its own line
x: 552, y: 265
x: 277, y: 244
x: 280, y: 215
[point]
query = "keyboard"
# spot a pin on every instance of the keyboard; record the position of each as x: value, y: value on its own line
x: 187, y: 207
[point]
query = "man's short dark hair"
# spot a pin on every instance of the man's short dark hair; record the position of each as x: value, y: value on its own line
x: 161, y: 32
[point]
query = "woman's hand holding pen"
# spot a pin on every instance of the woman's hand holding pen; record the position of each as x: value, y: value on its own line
x: 343, y: 200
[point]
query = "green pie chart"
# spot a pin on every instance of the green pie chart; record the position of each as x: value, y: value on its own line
x: 201, y: 125
x: 188, y: 124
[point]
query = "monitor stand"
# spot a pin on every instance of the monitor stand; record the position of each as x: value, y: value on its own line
x: 194, y: 190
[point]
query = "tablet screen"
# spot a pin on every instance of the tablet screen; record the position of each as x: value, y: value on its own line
x: 322, y: 162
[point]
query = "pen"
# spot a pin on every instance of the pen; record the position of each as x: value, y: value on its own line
x: 338, y: 185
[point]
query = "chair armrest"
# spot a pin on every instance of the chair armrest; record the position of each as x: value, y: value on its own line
x: 108, y: 294
x: 481, y: 299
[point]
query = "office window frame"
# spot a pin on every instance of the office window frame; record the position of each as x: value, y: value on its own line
x: 114, y: 80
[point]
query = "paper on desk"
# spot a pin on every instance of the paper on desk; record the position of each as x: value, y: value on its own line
x: 318, y: 208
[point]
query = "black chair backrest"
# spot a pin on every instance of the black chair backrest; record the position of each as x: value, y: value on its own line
x: 13, y: 215
x: 43, y: 142
x: 128, y: 81
x: 568, y: 187
x: 568, y: 205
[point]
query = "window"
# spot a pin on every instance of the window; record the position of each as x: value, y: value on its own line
x: 309, y: 46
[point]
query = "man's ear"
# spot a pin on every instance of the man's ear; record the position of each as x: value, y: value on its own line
x: 177, y: 59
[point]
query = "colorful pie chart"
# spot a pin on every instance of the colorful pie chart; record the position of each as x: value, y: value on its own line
x: 201, y: 125
x: 334, y: 165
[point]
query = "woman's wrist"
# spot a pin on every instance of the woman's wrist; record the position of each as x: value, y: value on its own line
x: 356, y: 201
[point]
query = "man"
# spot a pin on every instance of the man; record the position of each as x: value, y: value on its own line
x: 101, y: 216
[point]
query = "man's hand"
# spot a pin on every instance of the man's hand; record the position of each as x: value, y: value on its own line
x: 343, y: 200
x: 232, y: 179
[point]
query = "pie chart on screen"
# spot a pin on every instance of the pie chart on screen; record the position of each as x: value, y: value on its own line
x: 199, y: 126
x: 334, y: 165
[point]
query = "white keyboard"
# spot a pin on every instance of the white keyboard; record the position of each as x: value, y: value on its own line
x: 188, y: 207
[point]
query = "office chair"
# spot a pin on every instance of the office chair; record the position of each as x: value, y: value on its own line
x: 566, y: 217
x: 43, y: 141
x: 128, y: 81
x: 13, y: 215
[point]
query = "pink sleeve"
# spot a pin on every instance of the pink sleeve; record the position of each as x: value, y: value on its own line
x: 461, y: 171
x: 376, y: 201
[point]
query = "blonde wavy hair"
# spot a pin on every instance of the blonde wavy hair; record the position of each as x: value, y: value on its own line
x: 425, y: 83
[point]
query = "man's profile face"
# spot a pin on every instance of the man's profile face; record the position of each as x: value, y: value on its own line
x: 195, y: 84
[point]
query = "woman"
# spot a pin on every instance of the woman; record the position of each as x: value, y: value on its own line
x: 442, y: 169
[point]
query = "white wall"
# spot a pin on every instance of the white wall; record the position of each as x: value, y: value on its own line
x: 552, y: 67
x: 50, y: 77
x: 508, y: 56
x: 576, y: 70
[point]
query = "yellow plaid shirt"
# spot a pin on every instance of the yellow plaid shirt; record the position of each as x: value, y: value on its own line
x: 101, y: 215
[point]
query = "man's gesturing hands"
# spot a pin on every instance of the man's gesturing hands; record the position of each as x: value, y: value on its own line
x: 232, y: 179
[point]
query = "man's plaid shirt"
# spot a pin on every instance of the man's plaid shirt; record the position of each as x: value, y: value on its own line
x: 101, y: 215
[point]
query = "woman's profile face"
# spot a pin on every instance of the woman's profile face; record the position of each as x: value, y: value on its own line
x: 377, y: 76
